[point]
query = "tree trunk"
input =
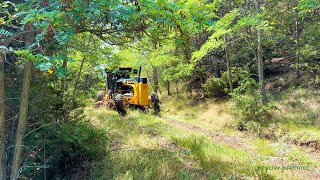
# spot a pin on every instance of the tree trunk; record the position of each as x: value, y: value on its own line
x: 64, y: 112
x: 168, y: 88
x: 217, y: 68
x: 77, y: 82
x: 177, y: 87
x: 22, y: 124
x: 297, y: 57
x: 228, y: 66
x: 260, y: 61
x: 155, y: 79
x: 2, y: 120
x: 167, y: 83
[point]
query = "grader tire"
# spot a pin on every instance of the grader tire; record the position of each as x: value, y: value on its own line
x: 119, y: 104
x: 100, y: 95
x: 155, y: 103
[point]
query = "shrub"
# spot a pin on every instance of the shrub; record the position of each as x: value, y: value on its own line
x: 70, y: 149
x: 76, y: 144
x: 247, y: 101
x: 215, y: 87
x: 235, y: 77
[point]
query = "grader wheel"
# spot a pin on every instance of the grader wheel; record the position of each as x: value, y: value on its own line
x: 98, y: 104
x: 155, y: 103
x: 119, y: 104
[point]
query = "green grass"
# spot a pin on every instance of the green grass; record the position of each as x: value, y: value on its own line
x: 209, y: 114
x: 264, y: 147
x: 145, y: 147
x: 298, y: 107
x: 148, y: 147
x: 301, y: 157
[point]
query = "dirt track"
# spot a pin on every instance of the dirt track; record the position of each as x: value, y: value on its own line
x: 243, y: 143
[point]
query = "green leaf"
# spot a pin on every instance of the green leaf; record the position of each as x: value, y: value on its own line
x: 61, y: 72
x: 5, y: 32
x: 45, y: 66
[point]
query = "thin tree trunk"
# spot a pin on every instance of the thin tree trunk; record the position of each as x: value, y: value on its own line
x: 228, y: 66
x: 168, y: 88
x: 64, y: 112
x: 77, y: 82
x: 297, y: 57
x: 217, y: 68
x: 11, y: 138
x: 155, y: 79
x: 2, y: 120
x: 22, y: 124
x: 177, y: 87
x: 167, y: 83
x: 260, y: 61
x: 200, y: 74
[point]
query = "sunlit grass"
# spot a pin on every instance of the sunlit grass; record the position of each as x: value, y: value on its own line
x: 211, y: 115
x: 299, y: 107
x: 148, y: 147
x: 301, y: 157
x: 264, y: 147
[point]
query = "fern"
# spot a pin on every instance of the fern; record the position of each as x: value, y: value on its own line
x: 5, y: 32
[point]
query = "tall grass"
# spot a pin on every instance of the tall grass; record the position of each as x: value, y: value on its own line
x: 145, y: 147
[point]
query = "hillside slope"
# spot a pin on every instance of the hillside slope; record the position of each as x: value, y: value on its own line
x: 202, y: 142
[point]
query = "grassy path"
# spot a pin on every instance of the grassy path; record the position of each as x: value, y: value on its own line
x: 148, y: 147
x: 265, y: 151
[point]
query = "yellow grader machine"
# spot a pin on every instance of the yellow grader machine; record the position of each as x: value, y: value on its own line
x: 123, y: 92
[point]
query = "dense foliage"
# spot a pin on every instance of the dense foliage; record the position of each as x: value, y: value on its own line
x: 201, y: 46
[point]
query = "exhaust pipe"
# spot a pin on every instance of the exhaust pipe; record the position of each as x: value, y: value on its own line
x: 139, y: 74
